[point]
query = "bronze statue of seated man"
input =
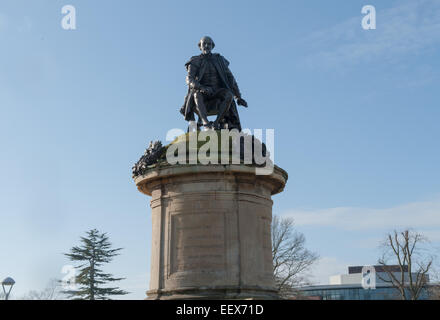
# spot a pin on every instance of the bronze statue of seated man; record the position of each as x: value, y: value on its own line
x: 211, y: 90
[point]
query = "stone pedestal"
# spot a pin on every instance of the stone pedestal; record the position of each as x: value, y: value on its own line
x: 211, y: 231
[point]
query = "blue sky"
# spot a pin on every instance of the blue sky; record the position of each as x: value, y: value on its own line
x: 355, y: 114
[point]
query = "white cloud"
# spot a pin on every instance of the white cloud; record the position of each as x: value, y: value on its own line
x: 411, y: 215
x: 410, y: 28
x: 432, y: 235
x: 136, y: 285
x: 326, y: 267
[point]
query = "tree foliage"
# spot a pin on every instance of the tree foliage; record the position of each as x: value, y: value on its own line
x: 95, y: 251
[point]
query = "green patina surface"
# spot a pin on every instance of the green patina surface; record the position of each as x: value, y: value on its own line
x: 201, y: 139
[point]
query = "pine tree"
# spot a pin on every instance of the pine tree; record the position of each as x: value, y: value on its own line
x: 93, y: 253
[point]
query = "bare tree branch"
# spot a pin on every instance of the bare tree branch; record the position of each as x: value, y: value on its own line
x: 291, y: 260
x: 52, y: 291
x: 405, y: 248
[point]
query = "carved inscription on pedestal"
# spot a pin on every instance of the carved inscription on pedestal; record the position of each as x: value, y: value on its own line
x: 197, y: 242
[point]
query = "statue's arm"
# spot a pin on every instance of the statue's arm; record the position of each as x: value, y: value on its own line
x: 191, y: 78
x: 193, y: 82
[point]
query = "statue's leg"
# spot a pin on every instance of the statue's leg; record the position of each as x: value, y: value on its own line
x: 226, y: 98
x: 199, y: 123
x: 201, y: 108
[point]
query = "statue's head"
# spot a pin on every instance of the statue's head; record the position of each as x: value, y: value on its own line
x: 206, y: 44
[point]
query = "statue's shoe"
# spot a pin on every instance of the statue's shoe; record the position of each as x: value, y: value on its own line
x: 209, y: 126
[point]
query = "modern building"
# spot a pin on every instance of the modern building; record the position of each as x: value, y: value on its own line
x: 370, y: 283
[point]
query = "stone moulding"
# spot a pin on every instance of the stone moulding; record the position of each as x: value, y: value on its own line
x: 154, y: 172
